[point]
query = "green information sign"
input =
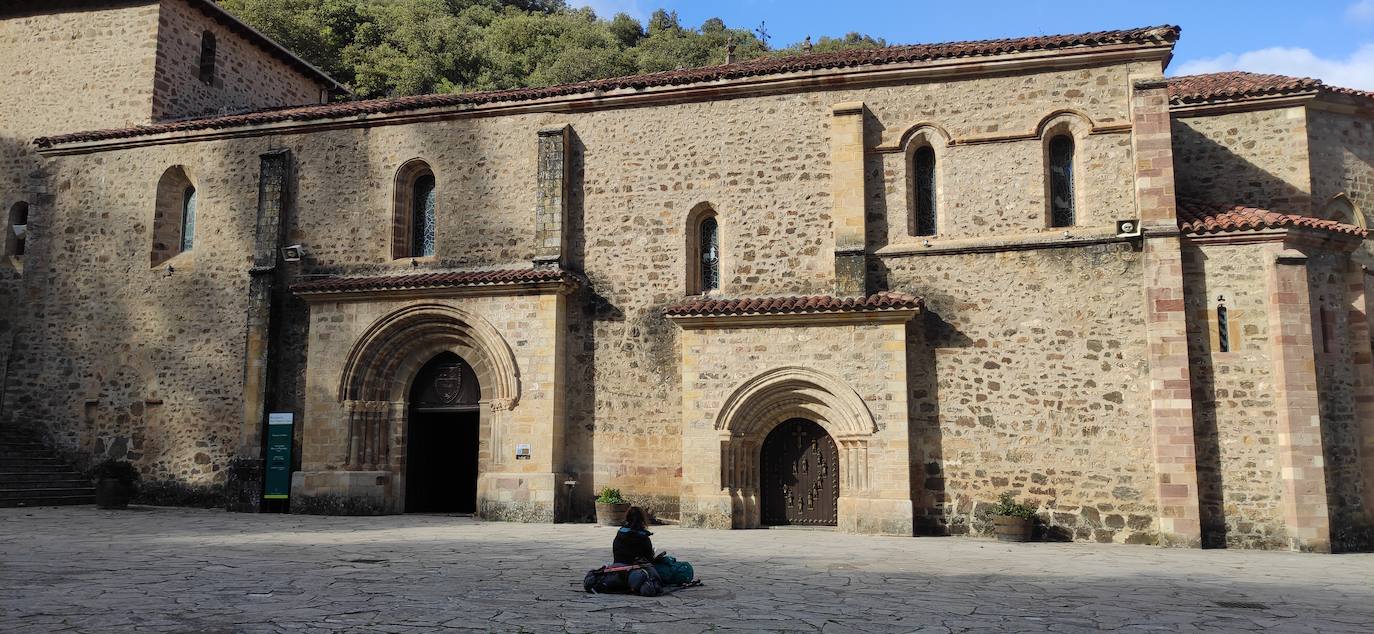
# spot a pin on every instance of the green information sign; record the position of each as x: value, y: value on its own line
x: 279, y: 426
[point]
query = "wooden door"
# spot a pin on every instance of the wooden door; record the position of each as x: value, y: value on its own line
x: 800, y: 473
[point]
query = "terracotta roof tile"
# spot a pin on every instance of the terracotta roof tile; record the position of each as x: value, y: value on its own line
x: 1195, y: 217
x: 703, y: 307
x: 1238, y: 85
x: 764, y: 66
x: 430, y: 280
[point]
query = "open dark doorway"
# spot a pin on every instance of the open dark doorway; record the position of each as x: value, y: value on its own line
x: 442, y: 438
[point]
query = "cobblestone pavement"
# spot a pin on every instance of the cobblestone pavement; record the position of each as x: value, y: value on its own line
x: 77, y: 569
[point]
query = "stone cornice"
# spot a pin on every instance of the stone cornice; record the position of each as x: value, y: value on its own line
x: 435, y: 284
x: 800, y: 81
x: 1249, y: 104
x: 705, y: 322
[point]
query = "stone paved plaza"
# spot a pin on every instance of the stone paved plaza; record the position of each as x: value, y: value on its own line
x: 78, y: 569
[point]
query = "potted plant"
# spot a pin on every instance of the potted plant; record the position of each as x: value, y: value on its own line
x: 610, y: 507
x: 114, y: 483
x: 1012, y: 520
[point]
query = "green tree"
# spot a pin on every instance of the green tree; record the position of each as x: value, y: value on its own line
x: 406, y: 47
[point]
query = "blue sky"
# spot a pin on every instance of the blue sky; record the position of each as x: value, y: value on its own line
x: 1332, y: 40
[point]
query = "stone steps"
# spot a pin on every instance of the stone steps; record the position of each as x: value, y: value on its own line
x: 30, y: 475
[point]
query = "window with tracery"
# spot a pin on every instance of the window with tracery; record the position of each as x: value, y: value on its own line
x: 710, y: 255
x: 422, y: 216
x: 1061, y: 177
x: 923, y: 166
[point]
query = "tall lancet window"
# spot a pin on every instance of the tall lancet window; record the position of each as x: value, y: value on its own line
x: 710, y: 255
x: 924, y: 166
x: 1061, y: 181
x: 422, y: 216
x: 188, y: 218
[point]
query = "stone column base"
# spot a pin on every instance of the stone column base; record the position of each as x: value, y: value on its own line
x: 343, y: 493
x: 522, y: 497
x: 876, y: 516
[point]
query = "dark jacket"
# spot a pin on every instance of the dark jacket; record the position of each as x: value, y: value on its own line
x: 632, y: 545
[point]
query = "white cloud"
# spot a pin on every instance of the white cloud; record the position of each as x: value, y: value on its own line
x: 1355, y: 71
x: 606, y: 9
x: 1361, y: 11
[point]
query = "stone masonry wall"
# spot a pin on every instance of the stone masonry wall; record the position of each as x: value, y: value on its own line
x: 1341, y: 433
x: 869, y: 359
x: 122, y: 360
x: 762, y: 163
x: 76, y: 70
x: 1253, y: 158
x: 1241, y: 488
x: 246, y: 77
x: 1035, y: 382
x: 1342, y: 157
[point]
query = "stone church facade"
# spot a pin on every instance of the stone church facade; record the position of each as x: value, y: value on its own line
x: 869, y: 289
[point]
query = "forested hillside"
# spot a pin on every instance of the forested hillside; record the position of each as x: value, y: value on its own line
x: 407, y: 47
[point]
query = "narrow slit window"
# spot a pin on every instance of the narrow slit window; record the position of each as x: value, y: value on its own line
x: 207, y: 57
x: 422, y: 216
x: 710, y: 255
x: 1223, y: 330
x: 925, y: 191
x: 1328, y: 323
x: 19, y: 228
x: 1061, y: 181
x: 188, y: 219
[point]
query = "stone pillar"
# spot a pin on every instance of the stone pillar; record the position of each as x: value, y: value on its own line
x: 1301, y: 458
x: 244, y: 486
x: 847, y: 197
x: 551, y: 197
x: 1166, y: 328
x: 1362, y: 357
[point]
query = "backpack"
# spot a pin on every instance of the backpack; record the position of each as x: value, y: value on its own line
x: 672, y: 572
x: 639, y: 579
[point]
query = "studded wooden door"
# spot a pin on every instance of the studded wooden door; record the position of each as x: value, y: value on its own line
x: 800, y: 472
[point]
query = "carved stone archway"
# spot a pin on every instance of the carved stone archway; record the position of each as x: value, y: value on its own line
x: 773, y: 397
x: 377, y: 377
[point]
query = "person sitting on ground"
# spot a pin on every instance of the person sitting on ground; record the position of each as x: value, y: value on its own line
x: 632, y: 544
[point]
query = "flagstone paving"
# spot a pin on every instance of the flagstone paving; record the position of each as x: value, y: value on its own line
x: 70, y: 569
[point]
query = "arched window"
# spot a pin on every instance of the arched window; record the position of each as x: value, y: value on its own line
x: 710, y: 255
x: 415, y: 217
x: 1061, y: 188
x: 174, y: 215
x: 923, y: 189
x: 422, y: 216
x: 16, y: 241
x: 207, y: 57
x: 188, y: 218
x: 703, y: 250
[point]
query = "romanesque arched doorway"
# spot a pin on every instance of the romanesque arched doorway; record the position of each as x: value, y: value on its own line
x: 442, y: 437
x: 799, y: 475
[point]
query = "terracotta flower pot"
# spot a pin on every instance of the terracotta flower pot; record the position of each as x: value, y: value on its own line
x: 611, y: 514
x: 112, y: 494
x: 1012, y: 529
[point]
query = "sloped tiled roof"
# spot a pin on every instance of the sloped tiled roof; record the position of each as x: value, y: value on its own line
x: 704, y: 307
x: 1196, y: 217
x: 447, y: 279
x: 1239, y: 85
x: 764, y: 66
